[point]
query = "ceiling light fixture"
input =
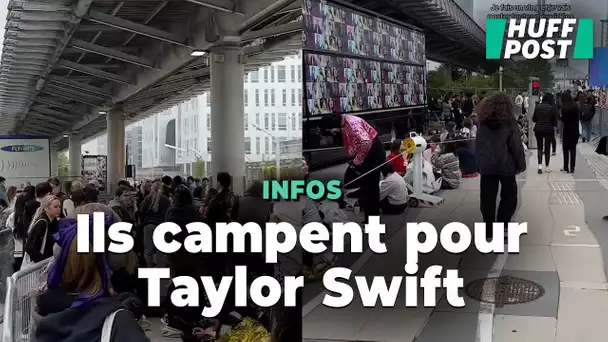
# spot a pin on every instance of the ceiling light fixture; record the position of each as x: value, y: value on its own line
x: 198, y: 53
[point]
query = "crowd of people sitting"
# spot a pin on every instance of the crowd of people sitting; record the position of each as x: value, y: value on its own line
x: 84, y: 290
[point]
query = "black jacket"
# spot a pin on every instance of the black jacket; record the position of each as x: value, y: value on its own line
x: 498, y: 148
x: 570, y: 118
x: 545, y: 118
x: 59, y: 322
x: 35, y: 237
x: 182, y: 259
x: 30, y: 209
x: 148, y: 216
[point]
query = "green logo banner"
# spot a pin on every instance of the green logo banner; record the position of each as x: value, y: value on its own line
x: 582, y: 44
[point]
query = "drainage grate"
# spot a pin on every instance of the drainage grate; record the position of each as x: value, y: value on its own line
x: 504, y: 290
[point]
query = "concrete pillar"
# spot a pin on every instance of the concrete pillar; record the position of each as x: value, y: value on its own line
x: 54, y: 161
x: 228, y: 114
x: 75, y: 155
x: 116, y: 148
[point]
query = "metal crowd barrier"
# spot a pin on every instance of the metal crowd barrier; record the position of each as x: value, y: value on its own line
x: 22, y: 288
x: 599, y: 123
x: 6, y: 259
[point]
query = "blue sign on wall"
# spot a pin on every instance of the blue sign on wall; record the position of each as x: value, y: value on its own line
x: 22, y: 148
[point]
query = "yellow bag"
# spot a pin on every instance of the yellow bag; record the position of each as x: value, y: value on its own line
x: 247, y: 331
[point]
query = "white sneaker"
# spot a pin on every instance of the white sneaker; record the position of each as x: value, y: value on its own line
x: 144, y: 323
x: 540, y: 169
x: 547, y: 169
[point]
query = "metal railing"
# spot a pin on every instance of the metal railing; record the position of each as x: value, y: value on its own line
x: 599, y: 123
x: 22, y: 288
x: 6, y: 258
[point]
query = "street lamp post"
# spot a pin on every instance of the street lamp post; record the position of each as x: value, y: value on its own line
x: 278, y: 149
x: 500, y: 70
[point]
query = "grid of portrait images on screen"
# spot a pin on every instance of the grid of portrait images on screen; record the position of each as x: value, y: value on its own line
x: 349, y: 84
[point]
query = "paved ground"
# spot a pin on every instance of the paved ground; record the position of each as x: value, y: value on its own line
x: 562, y: 253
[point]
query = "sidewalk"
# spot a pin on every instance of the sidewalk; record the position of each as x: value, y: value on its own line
x: 560, y: 258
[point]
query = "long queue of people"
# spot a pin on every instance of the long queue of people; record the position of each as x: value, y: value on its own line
x: 485, y: 142
x: 84, y: 290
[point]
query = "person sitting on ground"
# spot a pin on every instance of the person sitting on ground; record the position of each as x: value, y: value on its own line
x: 432, y: 148
x: 449, y: 167
x: 450, y: 131
x: 396, y: 157
x: 77, y: 304
x: 465, y: 152
x: 393, y: 191
x: 469, y: 131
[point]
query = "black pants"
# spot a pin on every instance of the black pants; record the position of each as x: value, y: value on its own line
x: 392, y: 209
x: 569, y: 149
x: 17, y: 264
x: 508, y: 200
x: 543, y: 143
x: 553, y: 143
x: 370, y: 184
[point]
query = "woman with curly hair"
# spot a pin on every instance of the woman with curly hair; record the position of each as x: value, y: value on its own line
x: 500, y: 157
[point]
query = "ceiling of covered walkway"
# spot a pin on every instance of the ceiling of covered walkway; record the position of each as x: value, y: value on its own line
x: 66, y: 62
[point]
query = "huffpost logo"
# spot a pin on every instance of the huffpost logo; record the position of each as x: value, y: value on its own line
x: 544, y: 38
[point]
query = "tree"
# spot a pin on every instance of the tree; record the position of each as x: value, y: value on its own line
x: 518, y: 78
x: 62, y: 164
x: 198, y: 169
x: 443, y: 81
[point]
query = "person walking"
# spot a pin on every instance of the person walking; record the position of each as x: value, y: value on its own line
x: 570, y: 130
x: 500, y: 157
x: 587, y: 112
x: 545, y: 121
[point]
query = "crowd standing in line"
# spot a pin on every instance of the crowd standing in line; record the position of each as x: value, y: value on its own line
x: 42, y: 220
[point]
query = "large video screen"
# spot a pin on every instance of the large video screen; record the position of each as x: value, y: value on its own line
x: 403, y: 85
x: 356, y: 62
x: 332, y: 28
x: 598, y: 68
x: 336, y: 84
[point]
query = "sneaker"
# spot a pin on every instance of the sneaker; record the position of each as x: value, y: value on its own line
x: 164, y: 320
x: 553, y: 154
x: 166, y: 330
x: 605, y: 218
x: 547, y: 169
x: 144, y: 323
x: 540, y: 169
x: 564, y: 170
